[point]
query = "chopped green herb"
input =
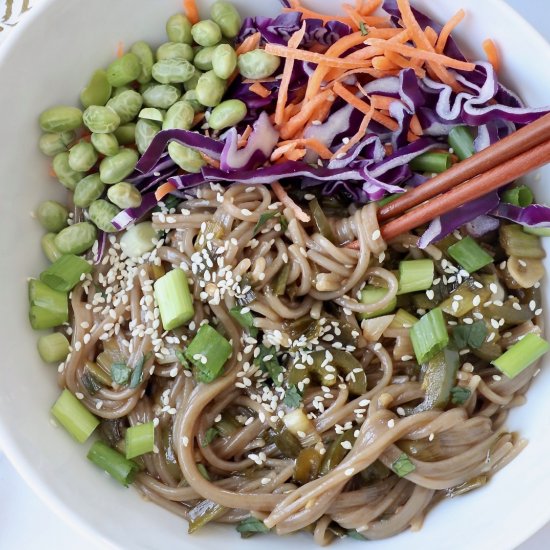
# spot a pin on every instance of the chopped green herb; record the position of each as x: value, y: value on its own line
x: 364, y: 29
x: 120, y: 373
x: 293, y: 397
x: 403, y: 466
x: 203, y: 471
x: 354, y: 534
x: 246, y: 320
x: 137, y: 373
x: 251, y: 525
x: 181, y: 358
x: 470, y: 336
x: 271, y: 365
x: 262, y: 221
x: 209, y: 436
x: 284, y: 222
x: 460, y: 395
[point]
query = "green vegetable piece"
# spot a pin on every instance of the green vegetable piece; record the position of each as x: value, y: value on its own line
x: 520, y: 244
x: 224, y: 61
x: 48, y: 246
x: 186, y: 158
x: 126, y: 105
x: 246, y: 320
x: 178, y: 29
x: 143, y: 52
x: 140, y: 439
x: 519, y: 196
x: 64, y: 274
x: 373, y: 294
x: 252, y: 525
x: 206, y: 511
x: 209, y: 436
x: 539, y: 231
x: 415, y: 275
x: 105, y: 144
x: 429, y: 335
x: 52, y: 144
x: 258, y: 64
x: 124, y: 70
x: 173, y: 71
x: 353, y: 533
x: 52, y: 215
x: 48, y: 308
x: 403, y: 319
x: 120, y: 373
x: 65, y: 174
x: 116, y: 168
x: 321, y: 221
x: 60, y: 119
x: 146, y: 130
x: 460, y: 395
x: 120, y: 90
x: 208, y: 353
x: 403, y: 466
x: 469, y: 255
x: 112, y: 462
x: 293, y: 397
x: 126, y: 133
x: 226, y: 114
x: 462, y: 142
x: 206, y: 33
x: 470, y: 336
x: 174, y: 299
x: 150, y: 113
x: 521, y: 355
x: 82, y: 156
x: 88, y: 190
x: 433, y: 163
x: 203, y: 58
x: 227, y: 17
x: 74, y: 416
x: 97, y: 91
x: 210, y: 89
x: 175, y: 50
x: 179, y: 116
x: 101, y: 212
x: 53, y: 348
x: 191, y: 97
x: 76, y: 239
x: 124, y: 195
x: 191, y: 84
x: 101, y: 120
x: 161, y: 96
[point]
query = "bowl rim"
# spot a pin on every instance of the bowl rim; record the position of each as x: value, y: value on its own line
x: 8, y: 445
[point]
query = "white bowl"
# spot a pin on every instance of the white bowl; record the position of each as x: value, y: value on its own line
x: 46, y: 61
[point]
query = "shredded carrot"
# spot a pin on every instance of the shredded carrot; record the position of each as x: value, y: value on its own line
x: 385, y: 120
x: 351, y: 98
x: 51, y: 172
x: 283, y: 197
x: 259, y: 89
x: 492, y: 53
x: 382, y: 63
x: 298, y: 121
x: 354, y: 245
x: 354, y: 15
x: 191, y: 10
x: 120, y: 49
x: 382, y: 101
x: 416, y: 127
x: 311, y: 143
x: 209, y: 160
x: 369, y: 6
x: 282, y: 97
x: 164, y: 189
x: 357, y: 137
x: 296, y: 154
x: 260, y: 80
x: 448, y: 29
x: 243, y: 140
x: 199, y: 117
x: 404, y: 63
x: 310, y: 14
x: 431, y: 35
x: 250, y: 43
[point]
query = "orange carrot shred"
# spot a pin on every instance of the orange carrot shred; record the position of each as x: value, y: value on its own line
x: 381, y: 101
x: 259, y: 89
x: 209, y: 160
x: 310, y: 14
x: 448, y: 29
x: 492, y: 53
x: 250, y: 43
x: 164, y: 189
x: 120, y: 49
x: 416, y: 127
x: 299, y: 120
x: 357, y: 137
x: 296, y: 154
x: 199, y: 117
x: 191, y: 10
x: 244, y: 137
x: 382, y: 63
x: 51, y: 172
x: 283, y: 197
x: 351, y: 98
x: 369, y: 6
x: 431, y: 35
x: 311, y: 143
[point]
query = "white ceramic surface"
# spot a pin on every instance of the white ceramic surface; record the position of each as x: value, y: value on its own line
x: 47, y: 61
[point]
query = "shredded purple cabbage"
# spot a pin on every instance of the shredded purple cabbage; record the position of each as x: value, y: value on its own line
x: 102, y: 238
x: 535, y: 215
x: 130, y: 215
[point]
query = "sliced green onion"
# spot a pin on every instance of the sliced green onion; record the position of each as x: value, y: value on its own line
x: 48, y: 307
x: 74, y: 416
x: 204, y: 512
x: 403, y: 319
x: 120, y: 373
x: 48, y: 246
x: 433, y: 163
x: 98, y: 373
x: 539, y: 231
x: 118, y: 467
x: 174, y: 299
x: 415, y: 275
x: 299, y: 425
x: 252, y: 525
x: 320, y: 220
x: 246, y: 320
x: 429, y: 335
x: 403, y: 465
x: 469, y: 255
x: 522, y: 354
x: 64, y: 274
x: 280, y: 282
x: 461, y: 140
x: 518, y: 196
x: 518, y: 243
x: 208, y: 352
x: 53, y: 348
x: 388, y: 199
x: 140, y: 440
x: 372, y: 294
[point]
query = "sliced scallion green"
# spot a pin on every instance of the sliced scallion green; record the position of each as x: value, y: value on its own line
x: 372, y: 294
x: 48, y: 307
x: 53, y: 348
x: 140, y: 439
x: 518, y: 196
x: 461, y: 140
x: 429, y: 335
x: 469, y: 255
x: 64, y: 274
x: 433, y: 163
x: 415, y: 275
x: 522, y: 354
x: 74, y: 416
x: 174, y: 299
x: 118, y: 467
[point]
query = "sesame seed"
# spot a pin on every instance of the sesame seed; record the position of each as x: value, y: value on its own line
x: 349, y: 472
x: 430, y: 294
x: 406, y: 357
x: 431, y: 437
x: 391, y: 423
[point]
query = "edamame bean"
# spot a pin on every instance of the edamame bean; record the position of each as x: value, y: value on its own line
x: 191, y: 98
x: 227, y: 17
x: 138, y: 240
x: 178, y: 29
x: 126, y: 105
x: 146, y: 130
x: 97, y: 91
x: 150, y: 113
x: 82, y: 156
x: 175, y: 50
x: 146, y: 86
x: 143, y: 52
x: 161, y: 96
x: 258, y: 64
x: 52, y: 144
x: 52, y: 215
x: 48, y: 246
x: 224, y: 61
x: 88, y: 190
x: 101, y: 120
x: 101, y: 212
x: 65, y: 174
x: 179, y: 116
x: 172, y: 71
x: 191, y: 84
x: 206, y: 33
x: 116, y: 168
x: 60, y: 119
x: 124, y: 70
x: 106, y: 144
x: 126, y: 133
x: 226, y: 114
x: 186, y: 158
x: 124, y: 195
x: 210, y: 89
x: 76, y: 238
x: 203, y: 58
x: 120, y: 90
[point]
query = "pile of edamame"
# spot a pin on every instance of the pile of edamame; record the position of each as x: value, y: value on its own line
x: 96, y: 147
